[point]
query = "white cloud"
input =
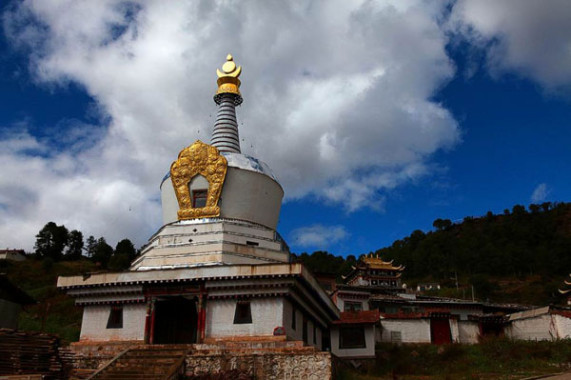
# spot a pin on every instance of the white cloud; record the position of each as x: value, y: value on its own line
x: 337, y: 100
x: 530, y: 37
x: 318, y: 236
x: 540, y: 193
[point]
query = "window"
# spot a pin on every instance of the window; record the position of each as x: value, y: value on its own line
x: 293, y: 321
x: 243, y: 313
x: 115, y: 320
x: 352, y: 337
x: 352, y: 306
x: 252, y: 243
x: 199, y: 198
x: 304, y: 331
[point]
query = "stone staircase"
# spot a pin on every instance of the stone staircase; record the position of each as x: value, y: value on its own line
x: 144, y: 364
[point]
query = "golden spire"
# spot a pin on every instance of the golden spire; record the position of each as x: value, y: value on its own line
x: 228, y: 82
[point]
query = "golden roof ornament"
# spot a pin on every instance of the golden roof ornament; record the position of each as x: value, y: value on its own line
x: 378, y: 263
x: 198, y: 159
x: 228, y: 82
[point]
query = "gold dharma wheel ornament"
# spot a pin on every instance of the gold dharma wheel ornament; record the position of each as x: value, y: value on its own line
x: 228, y: 82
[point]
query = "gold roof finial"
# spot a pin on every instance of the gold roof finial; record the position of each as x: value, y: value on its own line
x: 228, y: 82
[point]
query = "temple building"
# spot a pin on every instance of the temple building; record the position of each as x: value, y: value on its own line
x: 372, y: 271
x: 368, y: 277
x: 217, y: 269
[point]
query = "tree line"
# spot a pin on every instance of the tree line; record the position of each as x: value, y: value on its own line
x: 517, y: 242
x: 520, y: 242
x: 57, y: 243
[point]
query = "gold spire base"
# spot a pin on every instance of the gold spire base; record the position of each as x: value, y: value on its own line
x: 228, y: 82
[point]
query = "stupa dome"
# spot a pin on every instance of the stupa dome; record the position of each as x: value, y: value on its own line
x: 251, y: 192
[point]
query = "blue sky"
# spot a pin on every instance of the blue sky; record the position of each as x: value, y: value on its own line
x: 377, y: 117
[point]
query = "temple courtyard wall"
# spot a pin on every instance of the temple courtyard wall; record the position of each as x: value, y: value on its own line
x: 539, y: 325
x: 405, y: 330
x: 468, y: 332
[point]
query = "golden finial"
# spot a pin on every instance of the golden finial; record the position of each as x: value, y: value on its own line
x: 228, y: 82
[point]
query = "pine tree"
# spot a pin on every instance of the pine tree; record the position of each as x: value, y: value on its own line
x: 50, y: 241
x: 102, y: 252
x: 74, y: 245
x: 90, y: 246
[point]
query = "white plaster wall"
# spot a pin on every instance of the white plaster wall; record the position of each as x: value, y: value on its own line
x: 169, y: 202
x: 246, y: 195
x: 9, y: 314
x: 310, y: 340
x: 469, y: 331
x: 339, y: 303
x: 297, y: 334
x: 454, y: 331
x: 367, y: 352
x: 196, y: 243
x: 319, y: 338
x: 310, y: 332
x: 198, y: 182
x: 12, y: 256
x: 536, y: 328
x: 563, y: 326
x: 94, y: 323
x: 292, y: 334
x: 267, y: 314
x: 412, y: 330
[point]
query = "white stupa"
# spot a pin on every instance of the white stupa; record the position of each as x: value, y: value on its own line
x: 220, y: 207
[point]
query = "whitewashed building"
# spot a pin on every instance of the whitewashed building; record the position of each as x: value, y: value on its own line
x: 12, y: 254
x: 217, y: 269
x: 354, y: 335
x: 546, y: 323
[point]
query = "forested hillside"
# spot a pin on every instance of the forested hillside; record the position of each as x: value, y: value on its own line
x: 517, y: 243
x: 522, y: 255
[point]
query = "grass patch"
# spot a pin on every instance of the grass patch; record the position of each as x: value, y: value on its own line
x: 492, y: 359
x: 55, y: 312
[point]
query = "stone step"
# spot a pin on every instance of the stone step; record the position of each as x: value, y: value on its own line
x: 143, y: 364
x: 136, y: 363
x: 157, y: 352
x: 150, y: 356
x: 136, y: 375
x: 247, y: 345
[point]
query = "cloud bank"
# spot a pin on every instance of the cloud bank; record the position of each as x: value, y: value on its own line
x: 337, y: 97
x: 528, y: 37
x: 318, y: 236
x: 540, y: 193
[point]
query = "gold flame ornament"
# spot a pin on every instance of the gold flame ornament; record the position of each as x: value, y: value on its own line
x: 228, y: 82
x: 198, y: 159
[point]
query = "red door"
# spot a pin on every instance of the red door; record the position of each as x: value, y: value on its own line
x: 440, y: 331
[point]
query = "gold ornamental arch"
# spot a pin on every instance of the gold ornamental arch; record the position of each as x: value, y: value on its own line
x: 198, y: 159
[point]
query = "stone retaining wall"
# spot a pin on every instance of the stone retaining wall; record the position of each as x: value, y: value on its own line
x: 311, y: 366
x: 275, y: 363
